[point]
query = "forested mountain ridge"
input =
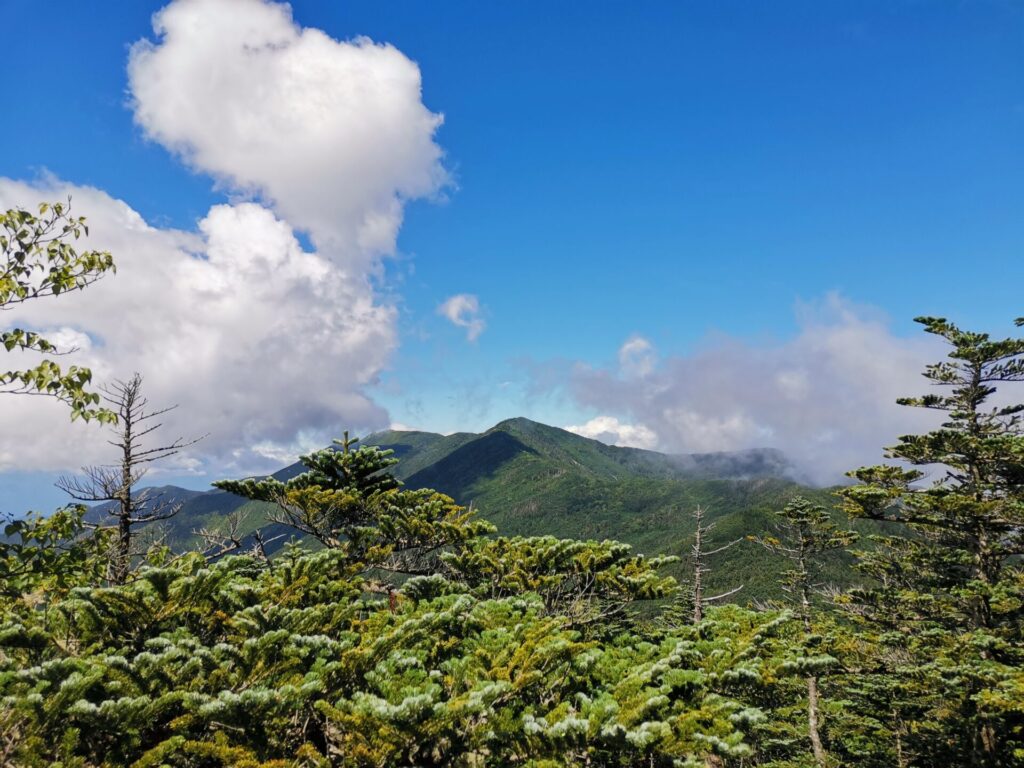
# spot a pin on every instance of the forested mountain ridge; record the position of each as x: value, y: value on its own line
x: 532, y: 479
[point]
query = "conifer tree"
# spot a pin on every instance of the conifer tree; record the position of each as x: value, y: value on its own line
x: 947, y: 604
x: 804, y: 532
x: 589, y: 582
x: 348, y: 500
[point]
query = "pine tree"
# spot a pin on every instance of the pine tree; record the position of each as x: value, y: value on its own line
x: 948, y: 600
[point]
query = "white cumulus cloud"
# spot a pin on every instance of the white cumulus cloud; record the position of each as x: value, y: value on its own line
x: 463, y: 310
x: 332, y: 134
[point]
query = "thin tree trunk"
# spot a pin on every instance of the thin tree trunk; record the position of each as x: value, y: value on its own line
x: 124, y: 521
x: 989, y: 748
x: 124, y: 550
x: 901, y: 761
x: 813, y: 705
x: 812, y: 722
x: 698, y: 589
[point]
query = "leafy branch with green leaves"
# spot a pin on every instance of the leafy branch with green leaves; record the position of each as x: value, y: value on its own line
x: 38, y: 259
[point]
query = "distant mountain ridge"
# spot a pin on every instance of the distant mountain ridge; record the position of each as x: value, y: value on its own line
x: 421, y: 453
x: 533, y: 479
x: 445, y: 455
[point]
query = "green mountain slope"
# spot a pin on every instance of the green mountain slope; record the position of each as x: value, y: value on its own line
x: 533, y: 479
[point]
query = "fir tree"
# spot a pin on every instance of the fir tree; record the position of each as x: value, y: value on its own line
x: 589, y: 582
x: 948, y: 608
x: 348, y: 500
x: 804, y: 532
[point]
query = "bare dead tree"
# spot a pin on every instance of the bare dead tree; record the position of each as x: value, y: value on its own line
x: 218, y: 542
x: 223, y: 540
x: 700, y: 556
x: 115, y: 484
x: 260, y: 543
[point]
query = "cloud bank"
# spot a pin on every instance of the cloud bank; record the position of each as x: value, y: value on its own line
x: 463, y: 310
x: 265, y: 345
x: 825, y: 397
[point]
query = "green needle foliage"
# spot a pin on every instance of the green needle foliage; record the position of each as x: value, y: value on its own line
x: 588, y: 581
x: 348, y: 501
x: 804, y: 533
x: 38, y: 259
x: 946, y: 605
x: 244, y: 663
x: 498, y: 652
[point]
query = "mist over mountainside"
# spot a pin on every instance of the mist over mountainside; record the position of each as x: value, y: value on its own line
x: 533, y: 479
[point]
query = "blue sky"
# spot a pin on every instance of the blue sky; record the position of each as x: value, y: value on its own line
x: 687, y: 173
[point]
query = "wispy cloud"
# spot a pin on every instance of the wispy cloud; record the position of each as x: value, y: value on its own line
x: 463, y: 310
x: 826, y: 397
x: 636, y: 357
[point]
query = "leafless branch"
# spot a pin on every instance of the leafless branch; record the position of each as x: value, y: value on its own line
x: 217, y: 543
x: 115, y: 484
x: 723, y: 595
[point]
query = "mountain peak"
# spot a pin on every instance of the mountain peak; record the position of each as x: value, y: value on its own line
x: 518, y: 422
